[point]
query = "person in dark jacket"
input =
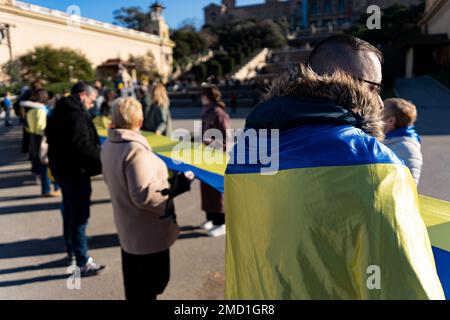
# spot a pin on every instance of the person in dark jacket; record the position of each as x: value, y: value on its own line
x: 214, y: 116
x: 74, y: 157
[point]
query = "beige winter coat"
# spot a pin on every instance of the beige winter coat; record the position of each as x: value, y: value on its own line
x: 135, y: 176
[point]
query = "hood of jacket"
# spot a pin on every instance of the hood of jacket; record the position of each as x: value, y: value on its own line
x: 300, y: 96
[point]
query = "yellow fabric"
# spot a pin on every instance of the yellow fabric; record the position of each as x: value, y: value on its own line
x: 436, y: 214
x: 313, y: 233
x: 102, y: 122
x: 195, y: 154
x: 36, y: 121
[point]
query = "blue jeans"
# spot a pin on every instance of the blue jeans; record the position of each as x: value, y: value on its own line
x: 8, y: 116
x: 76, y: 192
x: 45, y: 181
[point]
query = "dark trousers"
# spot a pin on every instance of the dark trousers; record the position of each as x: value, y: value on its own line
x: 145, y: 276
x: 76, y: 193
x: 217, y: 218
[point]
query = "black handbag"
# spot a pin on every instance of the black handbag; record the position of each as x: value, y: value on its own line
x: 179, y: 184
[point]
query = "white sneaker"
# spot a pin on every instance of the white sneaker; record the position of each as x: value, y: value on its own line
x: 208, y: 225
x: 91, y: 268
x: 217, y: 231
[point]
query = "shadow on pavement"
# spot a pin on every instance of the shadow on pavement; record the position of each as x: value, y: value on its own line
x: 2, y: 173
x: 42, y: 207
x: 190, y: 232
x: 191, y: 235
x: 17, y: 180
x: 20, y: 198
x: 60, y: 263
x: 20, y: 282
x: 53, y: 245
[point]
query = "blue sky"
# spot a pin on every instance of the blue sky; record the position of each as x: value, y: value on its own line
x: 176, y: 12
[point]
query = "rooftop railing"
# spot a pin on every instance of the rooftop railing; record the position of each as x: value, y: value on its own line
x: 82, y: 20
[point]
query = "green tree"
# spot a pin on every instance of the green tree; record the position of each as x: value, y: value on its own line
x: 398, y: 23
x: 188, y: 42
x: 54, y: 65
x: 132, y: 17
x: 215, y: 68
x: 145, y: 64
x: 200, y: 72
x: 228, y: 64
x: 252, y: 33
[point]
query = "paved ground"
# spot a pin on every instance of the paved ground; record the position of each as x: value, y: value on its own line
x: 433, y: 106
x: 31, y: 247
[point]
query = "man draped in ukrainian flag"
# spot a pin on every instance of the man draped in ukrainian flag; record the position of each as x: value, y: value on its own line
x: 340, y: 219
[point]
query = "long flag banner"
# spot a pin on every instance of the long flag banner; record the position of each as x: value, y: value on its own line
x: 435, y: 213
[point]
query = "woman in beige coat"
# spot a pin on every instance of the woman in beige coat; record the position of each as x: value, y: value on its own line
x: 137, y: 181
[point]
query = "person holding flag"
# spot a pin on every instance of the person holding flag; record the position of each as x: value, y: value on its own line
x: 340, y: 218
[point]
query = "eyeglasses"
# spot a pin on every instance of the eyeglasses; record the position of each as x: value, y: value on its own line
x: 378, y: 87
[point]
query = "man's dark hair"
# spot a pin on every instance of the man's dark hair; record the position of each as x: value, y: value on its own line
x: 81, y: 87
x: 337, y: 51
x: 78, y: 88
x: 40, y: 96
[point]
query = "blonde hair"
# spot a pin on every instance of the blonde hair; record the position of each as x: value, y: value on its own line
x: 160, y: 97
x: 404, y: 112
x: 126, y: 113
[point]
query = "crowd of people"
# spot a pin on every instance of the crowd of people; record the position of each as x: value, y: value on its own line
x: 60, y: 136
x: 65, y: 151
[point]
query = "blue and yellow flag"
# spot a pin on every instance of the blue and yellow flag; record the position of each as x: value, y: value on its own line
x: 266, y: 241
x: 339, y: 220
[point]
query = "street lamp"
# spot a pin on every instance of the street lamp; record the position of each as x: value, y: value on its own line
x: 70, y: 73
x: 5, y: 33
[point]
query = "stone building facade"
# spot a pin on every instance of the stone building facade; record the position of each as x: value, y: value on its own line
x: 300, y: 13
x: 436, y: 19
x: 27, y: 26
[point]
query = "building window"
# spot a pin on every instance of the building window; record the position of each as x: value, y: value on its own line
x: 326, y: 23
x: 327, y: 6
x: 341, y: 6
x: 341, y: 21
x: 314, y: 8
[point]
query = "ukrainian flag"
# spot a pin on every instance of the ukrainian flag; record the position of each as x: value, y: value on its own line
x: 265, y: 241
x: 339, y: 220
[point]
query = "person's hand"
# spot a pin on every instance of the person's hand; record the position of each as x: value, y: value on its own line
x: 189, y: 175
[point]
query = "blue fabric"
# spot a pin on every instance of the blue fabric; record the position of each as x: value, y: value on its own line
x: 7, y: 103
x: 45, y: 180
x: 442, y: 259
x: 409, y: 132
x: 311, y: 146
x: 210, y: 178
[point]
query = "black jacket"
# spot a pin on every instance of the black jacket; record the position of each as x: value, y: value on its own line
x: 74, y: 146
